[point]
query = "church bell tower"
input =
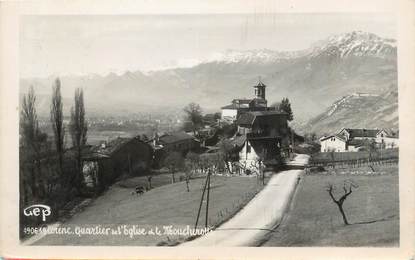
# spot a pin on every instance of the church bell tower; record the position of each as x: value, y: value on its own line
x: 260, y: 90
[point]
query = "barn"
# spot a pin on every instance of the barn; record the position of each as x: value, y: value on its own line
x: 103, y: 164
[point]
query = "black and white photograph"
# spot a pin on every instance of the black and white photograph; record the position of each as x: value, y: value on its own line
x: 258, y: 130
x: 207, y: 129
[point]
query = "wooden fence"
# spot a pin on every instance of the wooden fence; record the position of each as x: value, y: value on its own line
x: 355, y: 159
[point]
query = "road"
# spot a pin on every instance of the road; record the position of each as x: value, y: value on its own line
x: 260, y: 216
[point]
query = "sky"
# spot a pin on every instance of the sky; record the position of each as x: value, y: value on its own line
x: 100, y: 44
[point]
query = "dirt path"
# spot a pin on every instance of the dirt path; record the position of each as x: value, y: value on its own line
x: 260, y: 216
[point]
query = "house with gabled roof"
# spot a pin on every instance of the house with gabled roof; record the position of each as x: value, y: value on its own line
x: 353, y: 139
x: 261, y: 136
x: 333, y: 143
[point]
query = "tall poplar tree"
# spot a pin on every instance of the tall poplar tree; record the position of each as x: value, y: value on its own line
x: 78, y: 130
x: 56, y: 118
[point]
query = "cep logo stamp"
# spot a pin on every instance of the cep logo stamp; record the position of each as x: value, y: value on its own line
x: 37, y: 210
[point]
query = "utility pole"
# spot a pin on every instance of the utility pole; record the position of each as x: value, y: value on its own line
x: 129, y: 164
x: 201, y: 200
x: 207, y: 199
x: 262, y: 166
x: 292, y: 142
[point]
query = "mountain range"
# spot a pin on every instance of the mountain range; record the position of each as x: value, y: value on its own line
x: 358, y: 110
x: 313, y: 79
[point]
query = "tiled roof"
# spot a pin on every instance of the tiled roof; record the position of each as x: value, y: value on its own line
x: 231, y: 106
x: 268, y: 113
x: 174, y: 137
x: 239, y: 141
x: 362, y: 132
x: 241, y: 101
x: 330, y: 136
x: 356, y: 142
x: 249, y: 118
x: 107, y: 149
x: 260, y: 84
x: 111, y: 146
x: 246, y: 119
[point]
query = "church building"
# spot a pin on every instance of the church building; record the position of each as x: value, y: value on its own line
x: 240, y: 106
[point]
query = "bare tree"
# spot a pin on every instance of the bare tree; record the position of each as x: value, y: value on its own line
x: 56, y: 118
x: 78, y: 129
x: 191, y: 165
x: 347, y: 190
x: 226, y: 148
x: 174, y: 162
x: 188, y: 173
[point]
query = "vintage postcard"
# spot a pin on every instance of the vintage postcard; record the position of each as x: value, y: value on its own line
x: 172, y: 130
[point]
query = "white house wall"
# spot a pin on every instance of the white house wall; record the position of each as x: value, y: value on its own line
x: 229, y: 114
x: 333, y: 144
x: 248, y: 160
x: 388, y: 141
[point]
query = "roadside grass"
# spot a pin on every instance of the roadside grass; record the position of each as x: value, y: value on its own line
x: 162, y: 206
x: 372, y: 209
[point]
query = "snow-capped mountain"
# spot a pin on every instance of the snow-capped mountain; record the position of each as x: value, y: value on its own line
x: 312, y: 79
x: 356, y: 43
x: 261, y: 56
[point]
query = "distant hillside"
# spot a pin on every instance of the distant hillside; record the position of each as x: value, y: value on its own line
x: 312, y: 79
x: 357, y: 111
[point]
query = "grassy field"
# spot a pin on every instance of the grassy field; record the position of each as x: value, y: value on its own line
x: 162, y: 206
x: 158, y: 179
x: 372, y: 209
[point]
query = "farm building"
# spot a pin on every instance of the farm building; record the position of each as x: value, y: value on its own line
x: 352, y: 140
x: 105, y: 163
x: 177, y: 142
x: 172, y: 142
x: 261, y: 136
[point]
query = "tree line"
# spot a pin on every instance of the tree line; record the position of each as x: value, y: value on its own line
x: 49, y: 172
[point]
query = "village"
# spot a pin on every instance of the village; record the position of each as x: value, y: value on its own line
x: 214, y: 171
